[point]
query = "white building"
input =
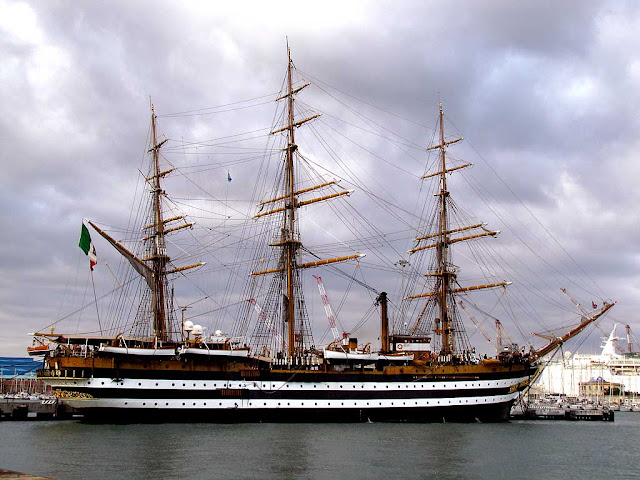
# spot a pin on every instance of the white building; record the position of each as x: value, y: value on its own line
x: 563, y: 376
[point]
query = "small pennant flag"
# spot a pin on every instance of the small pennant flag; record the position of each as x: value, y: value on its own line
x: 87, y: 246
x: 228, y: 176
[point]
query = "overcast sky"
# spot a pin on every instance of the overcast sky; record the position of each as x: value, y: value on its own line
x: 546, y: 92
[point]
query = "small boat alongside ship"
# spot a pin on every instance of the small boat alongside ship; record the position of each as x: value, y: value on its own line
x: 163, y: 369
x: 553, y: 410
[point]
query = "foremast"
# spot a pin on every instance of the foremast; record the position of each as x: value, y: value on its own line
x: 444, y: 271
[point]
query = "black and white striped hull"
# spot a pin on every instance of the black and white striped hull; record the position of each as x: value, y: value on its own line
x: 393, y: 399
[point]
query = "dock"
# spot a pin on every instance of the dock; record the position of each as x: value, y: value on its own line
x: 11, y: 475
x: 33, y: 409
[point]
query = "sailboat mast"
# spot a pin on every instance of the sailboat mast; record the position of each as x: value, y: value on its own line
x: 442, y: 247
x: 290, y: 245
x: 159, y: 254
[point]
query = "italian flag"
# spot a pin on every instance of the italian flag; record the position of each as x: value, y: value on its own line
x: 87, y: 246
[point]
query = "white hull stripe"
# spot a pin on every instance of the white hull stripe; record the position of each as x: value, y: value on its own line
x: 223, y: 404
x: 213, y: 385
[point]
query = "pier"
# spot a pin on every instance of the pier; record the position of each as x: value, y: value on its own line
x: 33, y: 409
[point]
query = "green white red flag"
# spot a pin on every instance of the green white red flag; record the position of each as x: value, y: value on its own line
x: 87, y: 246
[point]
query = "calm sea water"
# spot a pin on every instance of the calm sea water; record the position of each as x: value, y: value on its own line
x: 539, y: 450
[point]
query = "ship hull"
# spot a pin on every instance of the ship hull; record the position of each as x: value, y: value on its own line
x: 454, y: 394
x: 493, y: 413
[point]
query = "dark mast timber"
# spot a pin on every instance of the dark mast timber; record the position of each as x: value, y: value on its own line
x: 158, y: 257
x: 289, y: 240
x: 154, y: 266
x: 445, y: 272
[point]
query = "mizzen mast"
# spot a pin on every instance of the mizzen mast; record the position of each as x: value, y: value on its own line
x: 153, y: 266
x: 158, y: 255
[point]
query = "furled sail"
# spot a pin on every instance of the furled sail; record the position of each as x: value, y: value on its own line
x: 137, y: 264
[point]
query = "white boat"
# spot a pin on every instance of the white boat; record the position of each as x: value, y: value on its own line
x: 365, y: 356
x: 218, y: 352
x: 139, y: 351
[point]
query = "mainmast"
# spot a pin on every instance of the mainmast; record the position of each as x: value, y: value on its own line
x: 290, y: 243
x: 289, y: 240
x: 442, y: 249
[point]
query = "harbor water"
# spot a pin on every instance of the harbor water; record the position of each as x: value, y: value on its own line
x: 519, y: 449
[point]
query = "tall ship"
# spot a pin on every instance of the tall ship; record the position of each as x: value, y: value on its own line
x: 155, y: 364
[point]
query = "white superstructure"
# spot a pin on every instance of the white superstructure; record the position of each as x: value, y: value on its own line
x: 564, y: 375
